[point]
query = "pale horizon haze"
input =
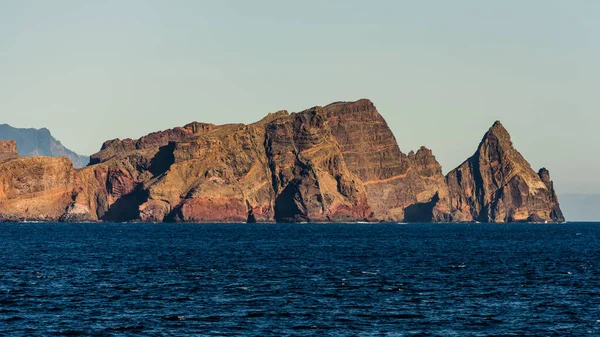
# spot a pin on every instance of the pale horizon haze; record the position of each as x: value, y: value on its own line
x: 440, y: 72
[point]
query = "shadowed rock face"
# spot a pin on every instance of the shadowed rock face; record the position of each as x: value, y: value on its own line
x: 498, y: 185
x: 335, y: 163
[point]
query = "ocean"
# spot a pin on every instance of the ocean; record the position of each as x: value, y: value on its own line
x: 299, y: 279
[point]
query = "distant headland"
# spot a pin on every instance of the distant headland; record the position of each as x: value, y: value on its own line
x: 39, y: 142
x: 338, y: 163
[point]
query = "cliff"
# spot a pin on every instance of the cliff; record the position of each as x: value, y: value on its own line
x: 497, y: 184
x: 39, y: 142
x: 35, y: 188
x: 8, y: 150
x: 395, y: 183
x: 335, y: 163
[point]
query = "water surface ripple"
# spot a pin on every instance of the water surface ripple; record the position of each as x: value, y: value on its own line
x: 300, y: 280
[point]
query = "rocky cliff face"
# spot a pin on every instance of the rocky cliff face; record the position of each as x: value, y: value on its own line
x: 283, y: 168
x: 498, y: 185
x: 33, y: 188
x: 396, y: 183
x: 335, y: 163
x: 8, y: 150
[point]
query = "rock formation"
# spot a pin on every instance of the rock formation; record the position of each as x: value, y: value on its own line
x: 498, y: 185
x: 39, y: 142
x: 335, y: 163
x: 35, y: 188
x: 8, y: 150
x: 395, y: 182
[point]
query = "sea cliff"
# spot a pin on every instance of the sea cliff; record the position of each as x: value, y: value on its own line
x: 337, y: 163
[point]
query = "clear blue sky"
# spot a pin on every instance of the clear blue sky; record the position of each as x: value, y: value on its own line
x: 441, y: 72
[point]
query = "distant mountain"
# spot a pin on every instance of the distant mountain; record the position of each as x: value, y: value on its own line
x: 39, y: 142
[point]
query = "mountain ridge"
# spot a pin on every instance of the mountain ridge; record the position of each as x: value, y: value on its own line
x: 40, y: 142
x: 334, y: 163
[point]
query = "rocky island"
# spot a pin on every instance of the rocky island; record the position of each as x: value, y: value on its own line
x: 338, y: 163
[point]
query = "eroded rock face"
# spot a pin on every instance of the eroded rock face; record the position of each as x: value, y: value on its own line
x: 40, y: 142
x: 393, y: 180
x: 217, y: 176
x: 309, y: 175
x: 35, y: 188
x: 335, y: 163
x: 8, y: 150
x: 498, y: 185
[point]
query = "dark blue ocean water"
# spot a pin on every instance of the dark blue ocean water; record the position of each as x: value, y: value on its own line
x: 301, y: 280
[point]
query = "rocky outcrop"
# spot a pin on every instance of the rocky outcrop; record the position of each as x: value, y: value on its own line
x: 335, y: 163
x: 148, y: 145
x: 283, y: 168
x: 35, y: 188
x: 218, y: 175
x: 8, y: 150
x: 309, y: 175
x: 498, y: 185
x: 39, y: 142
x: 395, y: 182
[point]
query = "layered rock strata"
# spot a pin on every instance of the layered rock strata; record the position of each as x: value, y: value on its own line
x: 338, y: 163
x: 497, y: 184
x: 8, y: 150
x: 40, y: 142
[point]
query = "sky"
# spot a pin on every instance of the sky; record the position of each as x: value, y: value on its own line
x: 440, y: 72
